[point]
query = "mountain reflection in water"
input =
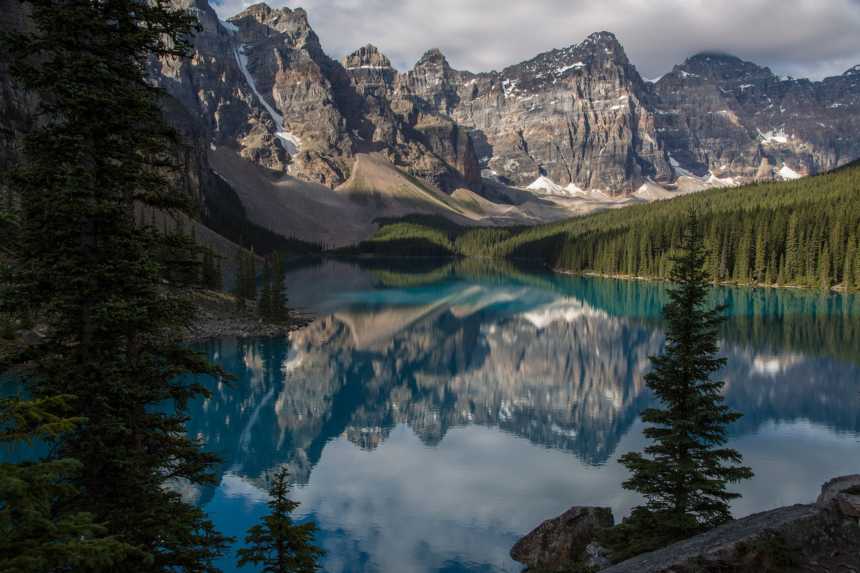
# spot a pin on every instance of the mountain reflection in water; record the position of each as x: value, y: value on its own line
x: 431, y: 416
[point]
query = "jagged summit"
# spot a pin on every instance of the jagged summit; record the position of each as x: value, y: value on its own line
x: 368, y: 57
x: 855, y: 71
x: 721, y: 67
x: 433, y: 56
x: 602, y: 37
x: 715, y: 56
x: 598, y: 51
x: 261, y: 21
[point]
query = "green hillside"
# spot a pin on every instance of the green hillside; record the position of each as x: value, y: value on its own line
x: 797, y: 233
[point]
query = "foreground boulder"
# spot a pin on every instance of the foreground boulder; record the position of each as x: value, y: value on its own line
x: 824, y: 536
x: 566, y: 541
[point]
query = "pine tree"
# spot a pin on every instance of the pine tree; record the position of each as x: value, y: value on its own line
x: 683, y: 474
x: 848, y: 277
x: 824, y: 269
x: 241, y: 285
x: 38, y: 531
x: 279, y: 311
x: 210, y: 270
x: 761, y: 256
x: 106, y: 287
x: 278, y: 544
x: 264, y: 306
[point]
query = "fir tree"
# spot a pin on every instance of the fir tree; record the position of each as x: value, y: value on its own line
x: 38, y: 531
x: 278, y: 544
x: 210, y: 271
x: 279, y: 310
x: 106, y: 288
x: 683, y: 474
x: 264, y: 306
x: 241, y: 284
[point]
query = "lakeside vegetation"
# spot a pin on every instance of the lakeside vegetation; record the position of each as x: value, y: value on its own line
x: 803, y: 233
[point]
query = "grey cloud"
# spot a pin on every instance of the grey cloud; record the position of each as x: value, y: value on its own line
x: 803, y: 38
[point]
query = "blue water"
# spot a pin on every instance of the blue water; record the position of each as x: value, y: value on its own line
x: 433, y: 414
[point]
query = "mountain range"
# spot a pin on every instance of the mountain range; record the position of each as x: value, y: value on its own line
x: 286, y: 138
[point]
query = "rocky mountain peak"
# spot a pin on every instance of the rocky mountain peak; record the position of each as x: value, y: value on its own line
x: 368, y: 57
x: 260, y: 21
x: 603, y: 38
x: 855, y: 71
x: 721, y: 67
x: 433, y: 57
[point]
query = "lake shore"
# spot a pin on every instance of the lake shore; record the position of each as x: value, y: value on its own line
x: 836, y: 289
x: 218, y: 315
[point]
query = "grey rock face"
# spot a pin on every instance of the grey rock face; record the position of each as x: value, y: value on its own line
x: 816, y: 537
x: 561, y: 543
x: 843, y: 494
x: 262, y: 85
x: 736, y: 119
x: 578, y: 115
x: 581, y: 116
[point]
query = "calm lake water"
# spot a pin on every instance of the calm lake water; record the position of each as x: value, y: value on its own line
x: 435, y: 412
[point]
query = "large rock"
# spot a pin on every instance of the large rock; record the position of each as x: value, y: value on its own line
x: 824, y: 536
x: 841, y: 494
x: 564, y: 542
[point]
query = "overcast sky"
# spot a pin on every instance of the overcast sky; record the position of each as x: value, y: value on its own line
x: 803, y: 38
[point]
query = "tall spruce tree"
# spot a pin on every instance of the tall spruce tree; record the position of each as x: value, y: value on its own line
x: 278, y: 544
x: 683, y: 474
x: 264, y: 305
x: 280, y: 312
x: 105, y: 287
x: 39, y: 532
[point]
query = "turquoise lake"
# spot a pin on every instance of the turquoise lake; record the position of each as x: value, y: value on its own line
x: 434, y: 412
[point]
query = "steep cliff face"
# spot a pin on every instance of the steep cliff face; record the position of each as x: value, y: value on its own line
x: 733, y: 118
x: 569, y: 121
x: 580, y: 116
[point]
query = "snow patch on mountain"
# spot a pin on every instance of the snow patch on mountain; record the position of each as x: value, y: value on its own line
x: 291, y: 142
x: 229, y: 26
x: 788, y: 173
x: 563, y: 310
x: 774, y: 136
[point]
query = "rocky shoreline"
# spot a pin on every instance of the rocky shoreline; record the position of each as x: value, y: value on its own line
x: 219, y: 315
x: 821, y: 537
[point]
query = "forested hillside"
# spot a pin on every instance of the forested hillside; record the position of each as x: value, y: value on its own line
x: 799, y: 233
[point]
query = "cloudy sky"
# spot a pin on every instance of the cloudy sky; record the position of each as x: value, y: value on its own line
x: 804, y: 38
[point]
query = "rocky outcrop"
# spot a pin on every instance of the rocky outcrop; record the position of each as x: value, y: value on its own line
x: 733, y: 118
x: 565, y: 542
x: 579, y: 115
x: 824, y: 536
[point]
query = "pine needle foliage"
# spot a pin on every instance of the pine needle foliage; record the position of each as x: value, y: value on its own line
x: 278, y: 544
x: 683, y: 474
x: 39, y: 532
x: 109, y: 290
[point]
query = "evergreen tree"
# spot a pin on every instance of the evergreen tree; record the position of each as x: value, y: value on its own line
x: 264, y: 306
x: 278, y: 544
x: 241, y: 285
x: 105, y: 287
x: 279, y: 311
x: 210, y: 270
x: 38, y: 531
x: 683, y: 474
x: 848, y: 277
